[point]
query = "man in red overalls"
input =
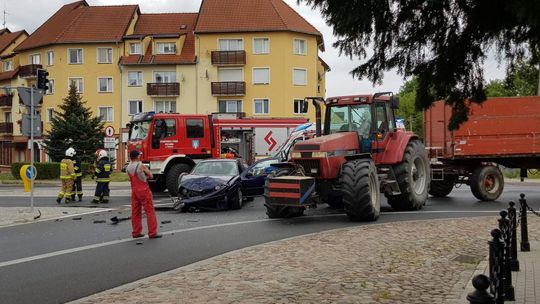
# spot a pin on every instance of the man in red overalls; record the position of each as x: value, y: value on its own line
x: 141, y: 197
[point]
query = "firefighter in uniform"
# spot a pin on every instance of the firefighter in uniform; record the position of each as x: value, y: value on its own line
x: 67, y: 174
x: 102, y: 174
x: 77, y: 183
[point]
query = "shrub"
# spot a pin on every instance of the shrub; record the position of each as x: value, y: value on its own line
x: 44, y: 170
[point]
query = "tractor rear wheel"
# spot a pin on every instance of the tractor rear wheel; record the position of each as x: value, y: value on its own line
x: 274, y: 211
x: 441, y: 188
x: 171, y: 180
x: 360, y: 189
x: 487, y: 183
x: 413, y: 177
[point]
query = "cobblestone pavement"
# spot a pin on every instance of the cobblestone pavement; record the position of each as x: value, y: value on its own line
x: 10, y: 216
x: 407, y: 262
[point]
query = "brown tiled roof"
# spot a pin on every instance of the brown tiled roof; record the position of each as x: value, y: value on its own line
x: 165, y: 24
x: 9, y: 74
x: 78, y: 22
x: 220, y: 16
x: 324, y: 64
x: 7, y: 38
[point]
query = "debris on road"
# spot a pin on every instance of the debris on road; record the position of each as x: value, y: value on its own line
x: 115, y: 219
x: 77, y: 218
x: 99, y: 221
x: 37, y: 216
x: 166, y: 222
x: 139, y: 242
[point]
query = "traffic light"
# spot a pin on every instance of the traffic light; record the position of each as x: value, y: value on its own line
x: 42, y: 81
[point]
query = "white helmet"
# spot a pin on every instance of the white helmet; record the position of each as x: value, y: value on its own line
x: 102, y: 154
x: 70, y: 152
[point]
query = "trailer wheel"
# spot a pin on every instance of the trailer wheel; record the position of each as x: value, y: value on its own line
x: 413, y: 177
x: 274, y: 211
x: 237, y: 200
x: 171, y: 180
x: 360, y: 189
x: 487, y: 183
x: 157, y: 186
x: 441, y: 188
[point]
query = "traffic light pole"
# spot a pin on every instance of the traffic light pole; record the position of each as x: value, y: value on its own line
x: 32, y: 147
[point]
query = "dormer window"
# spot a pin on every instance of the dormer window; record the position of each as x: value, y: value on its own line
x: 135, y: 49
x: 166, y: 48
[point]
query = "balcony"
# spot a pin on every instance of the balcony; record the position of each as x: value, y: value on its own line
x: 29, y: 70
x: 6, y: 128
x: 229, y: 58
x: 163, y: 89
x: 230, y: 88
x: 6, y: 101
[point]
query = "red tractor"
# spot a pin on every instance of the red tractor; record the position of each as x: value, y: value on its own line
x: 359, y: 154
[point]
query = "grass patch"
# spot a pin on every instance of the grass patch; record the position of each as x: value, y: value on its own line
x: 6, y: 176
x: 115, y: 177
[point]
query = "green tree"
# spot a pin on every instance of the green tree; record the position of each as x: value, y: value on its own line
x: 441, y: 42
x: 74, y: 126
x: 407, y: 110
x: 521, y: 80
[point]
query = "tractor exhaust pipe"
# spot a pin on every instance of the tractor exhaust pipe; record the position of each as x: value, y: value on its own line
x: 318, y: 120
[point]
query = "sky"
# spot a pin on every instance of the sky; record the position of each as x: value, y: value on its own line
x: 28, y: 15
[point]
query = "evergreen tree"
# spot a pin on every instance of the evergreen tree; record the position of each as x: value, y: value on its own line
x: 521, y: 80
x: 74, y: 126
x: 442, y: 42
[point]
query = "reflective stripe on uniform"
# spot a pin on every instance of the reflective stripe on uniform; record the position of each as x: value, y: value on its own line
x: 66, y: 177
x: 107, y: 168
x: 78, y: 174
x: 99, y: 180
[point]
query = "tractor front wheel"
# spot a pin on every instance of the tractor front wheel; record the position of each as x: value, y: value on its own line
x: 360, y: 189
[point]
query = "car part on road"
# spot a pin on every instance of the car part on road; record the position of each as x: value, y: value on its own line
x: 115, y: 219
x: 99, y: 221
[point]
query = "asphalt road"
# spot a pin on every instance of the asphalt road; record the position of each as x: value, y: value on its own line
x: 59, y: 261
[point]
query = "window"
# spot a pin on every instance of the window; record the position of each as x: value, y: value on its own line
x: 300, y: 106
x: 165, y: 106
x: 230, y: 106
x: 50, y: 114
x: 300, y: 47
x: 135, y: 49
x: 135, y: 79
x: 50, y: 90
x: 380, y: 116
x: 230, y: 75
x: 105, y: 84
x: 194, y: 128
x: 261, y: 75
x: 261, y: 106
x: 104, y: 55
x: 231, y: 44
x: 165, y: 77
x: 105, y: 114
x: 34, y: 59
x: 78, y: 82
x: 166, y: 48
x: 8, y: 66
x: 75, y: 56
x: 135, y: 106
x: 50, y: 58
x: 7, y: 117
x: 300, y: 77
x: 261, y: 46
x: 164, y: 128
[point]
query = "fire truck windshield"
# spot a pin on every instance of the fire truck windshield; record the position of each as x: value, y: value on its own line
x: 139, y: 130
x: 351, y: 118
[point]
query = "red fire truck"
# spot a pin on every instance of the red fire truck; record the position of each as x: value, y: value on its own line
x: 171, y: 143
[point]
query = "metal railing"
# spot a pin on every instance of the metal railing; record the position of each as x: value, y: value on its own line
x: 228, y: 57
x: 163, y: 89
x: 230, y: 88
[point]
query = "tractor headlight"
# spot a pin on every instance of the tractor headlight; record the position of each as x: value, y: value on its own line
x: 319, y: 154
x: 296, y: 155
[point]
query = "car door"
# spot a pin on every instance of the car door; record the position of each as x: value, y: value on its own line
x: 254, y: 176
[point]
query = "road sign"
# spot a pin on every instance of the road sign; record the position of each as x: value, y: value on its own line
x: 28, y: 173
x: 109, y: 131
x: 25, y: 125
x: 109, y: 142
x: 26, y: 99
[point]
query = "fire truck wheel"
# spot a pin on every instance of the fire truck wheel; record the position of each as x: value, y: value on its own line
x: 413, y: 177
x: 360, y: 189
x: 441, y: 188
x: 157, y: 186
x: 487, y: 183
x: 236, y: 202
x: 274, y: 211
x: 172, y: 177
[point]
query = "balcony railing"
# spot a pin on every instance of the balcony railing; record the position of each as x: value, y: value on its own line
x: 163, y: 89
x: 228, y: 57
x: 6, y: 101
x: 230, y: 88
x: 29, y: 70
x: 6, y: 128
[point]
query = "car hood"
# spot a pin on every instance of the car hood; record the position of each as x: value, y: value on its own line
x: 200, y: 183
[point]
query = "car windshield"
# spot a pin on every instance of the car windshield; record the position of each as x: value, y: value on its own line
x: 216, y: 168
x: 139, y: 130
x: 351, y: 118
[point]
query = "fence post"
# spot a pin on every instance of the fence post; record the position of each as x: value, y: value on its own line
x: 496, y: 249
x: 514, y: 263
x: 525, y: 246
x: 504, y: 226
x: 480, y: 295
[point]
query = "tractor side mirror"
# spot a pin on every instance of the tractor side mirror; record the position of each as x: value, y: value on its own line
x: 394, y: 102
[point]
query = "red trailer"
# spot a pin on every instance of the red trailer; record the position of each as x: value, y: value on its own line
x: 501, y: 131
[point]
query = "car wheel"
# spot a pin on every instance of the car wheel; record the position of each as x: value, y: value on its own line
x: 236, y: 202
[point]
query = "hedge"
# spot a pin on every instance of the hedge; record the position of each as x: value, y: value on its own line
x: 47, y: 170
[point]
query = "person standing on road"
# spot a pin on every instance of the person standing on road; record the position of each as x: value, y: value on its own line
x: 103, y: 177
x: 67, y: 174
x: 141, y: 197
x: 77, y: 183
